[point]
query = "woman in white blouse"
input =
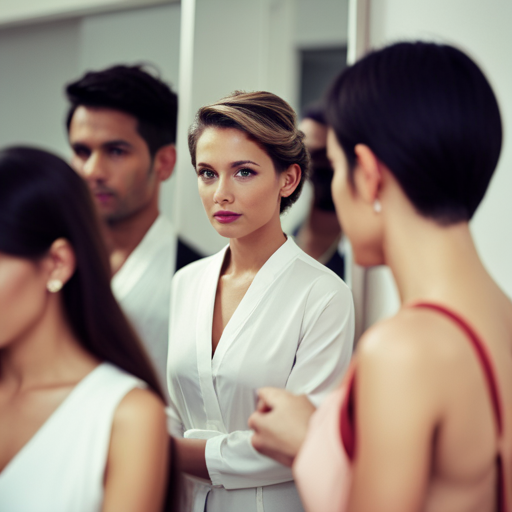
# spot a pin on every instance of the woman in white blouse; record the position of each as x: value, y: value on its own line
x: 259, y: 313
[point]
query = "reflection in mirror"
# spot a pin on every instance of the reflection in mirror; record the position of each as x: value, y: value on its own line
x: 295, y: 48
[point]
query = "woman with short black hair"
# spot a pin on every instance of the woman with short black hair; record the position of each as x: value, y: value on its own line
x: 424, y: 418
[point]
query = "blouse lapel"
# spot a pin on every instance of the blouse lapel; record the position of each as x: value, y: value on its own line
x: 256, y: 292
x: 204, y: 342
x: 208, y: 367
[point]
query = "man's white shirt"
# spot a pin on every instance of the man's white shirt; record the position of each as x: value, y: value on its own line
x: 142, y: 287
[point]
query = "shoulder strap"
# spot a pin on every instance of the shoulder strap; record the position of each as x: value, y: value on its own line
x: 482, y: 354
x: 492, y: 384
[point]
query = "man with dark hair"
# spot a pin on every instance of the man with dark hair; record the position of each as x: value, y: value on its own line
x: 122, y: 129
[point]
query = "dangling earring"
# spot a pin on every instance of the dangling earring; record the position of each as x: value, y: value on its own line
x: 377, y: 207
x: 54, y: 285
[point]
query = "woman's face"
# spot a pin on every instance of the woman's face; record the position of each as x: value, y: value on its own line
x: 238, y: 184
x: 23, y: 296
x: 360, y: 223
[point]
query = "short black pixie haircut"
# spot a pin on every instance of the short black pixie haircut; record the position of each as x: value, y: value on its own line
x: 429, y: 114
x: 132, y: 90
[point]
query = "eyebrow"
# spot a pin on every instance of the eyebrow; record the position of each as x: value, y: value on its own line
x: 117, y: 142
x: 243, y: 162
x: 233, y: 164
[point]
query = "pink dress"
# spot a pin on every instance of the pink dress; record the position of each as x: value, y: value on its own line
x: 322, y: 469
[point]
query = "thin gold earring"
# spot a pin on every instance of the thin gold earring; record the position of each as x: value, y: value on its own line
x: 377, y: 207
x: 54, y: 285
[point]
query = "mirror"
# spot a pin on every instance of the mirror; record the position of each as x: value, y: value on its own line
x: 291, y: 47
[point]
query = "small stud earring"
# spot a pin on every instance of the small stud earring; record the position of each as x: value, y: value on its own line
x: 377, y: 207
x: 54, y: 285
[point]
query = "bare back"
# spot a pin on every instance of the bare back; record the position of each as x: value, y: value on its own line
x: 437, y: 438
x: 421, y: 381
x: 464, y: 468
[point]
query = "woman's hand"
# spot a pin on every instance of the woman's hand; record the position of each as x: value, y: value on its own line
x: 280, y: 423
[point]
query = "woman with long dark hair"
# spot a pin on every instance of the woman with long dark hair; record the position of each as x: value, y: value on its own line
x: 82, y: 423
x: 424, y: 418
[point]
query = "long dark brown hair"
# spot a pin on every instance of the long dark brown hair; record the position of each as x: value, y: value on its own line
x: 43, y: 199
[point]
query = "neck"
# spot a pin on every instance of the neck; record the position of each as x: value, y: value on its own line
x: 317, y: 234
x: 123, y: 236
x: 429, y: 261
x: 47, y: 352
x: 249, y: 254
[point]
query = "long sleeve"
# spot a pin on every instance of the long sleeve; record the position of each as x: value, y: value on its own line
x: 174, y: 424
x: 233, y: 463
x: 326, y: 344
x: 322, y: 357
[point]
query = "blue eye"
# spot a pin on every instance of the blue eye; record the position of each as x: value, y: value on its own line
x: 206, y: 174
x: 245, y: 173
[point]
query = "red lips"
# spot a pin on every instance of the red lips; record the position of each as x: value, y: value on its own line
x: 225, y: 216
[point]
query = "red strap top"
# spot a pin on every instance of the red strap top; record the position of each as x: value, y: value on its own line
x: 347, y: 418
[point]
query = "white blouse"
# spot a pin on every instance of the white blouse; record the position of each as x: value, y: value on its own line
x: 293, y: 329
x: 62, y: 467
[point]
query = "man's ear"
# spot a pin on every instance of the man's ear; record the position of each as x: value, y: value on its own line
x: 164, y: 162
x: 290, y: 179
x: 367, y: 173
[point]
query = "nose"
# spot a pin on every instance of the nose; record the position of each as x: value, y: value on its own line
x: 223, y: 193
x: 93, y: 168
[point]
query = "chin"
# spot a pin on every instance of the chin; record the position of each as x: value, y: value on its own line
x: 226, y: 230
x: 235, y: 230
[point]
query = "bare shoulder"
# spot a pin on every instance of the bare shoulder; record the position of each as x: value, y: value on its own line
x: 136, y: 469
x: 140, y: 409
x: 415, y: 336
x: 416, y: 351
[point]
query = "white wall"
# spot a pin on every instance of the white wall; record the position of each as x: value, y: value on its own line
x: 35, y: 62
x: 321, y: 23
x: 21, y: 12
x: 483, y: 30
x: 150, y: 34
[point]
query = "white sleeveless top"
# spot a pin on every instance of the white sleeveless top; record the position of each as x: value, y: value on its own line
x: 61, y: 468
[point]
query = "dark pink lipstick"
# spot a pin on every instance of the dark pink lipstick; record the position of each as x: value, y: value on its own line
x: 225, y: 216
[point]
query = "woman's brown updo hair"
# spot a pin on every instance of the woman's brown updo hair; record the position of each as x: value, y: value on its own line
x: 268, y: 120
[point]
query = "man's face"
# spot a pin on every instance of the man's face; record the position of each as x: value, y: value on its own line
x: 114, y: 160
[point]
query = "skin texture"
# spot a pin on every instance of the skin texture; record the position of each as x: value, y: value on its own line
x: 41, y: 362
x: 418, y: 378
x: 237, y: 175
x: 138, y: 455
x: 114, y: 160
